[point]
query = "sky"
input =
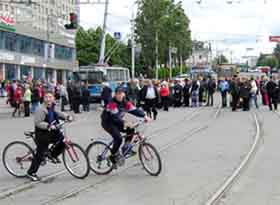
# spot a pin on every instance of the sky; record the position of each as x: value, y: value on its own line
x: 237, y: 29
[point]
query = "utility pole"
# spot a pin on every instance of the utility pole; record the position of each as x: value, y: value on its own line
x: 181, y: 64
x: 170, y: 62
x: 157, y: 66
x: 132, y: 46
x: 103, y: 41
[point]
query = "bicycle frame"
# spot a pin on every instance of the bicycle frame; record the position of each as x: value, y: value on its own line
x: 136, y: 139
x: 70, y: 150
x: 25, y: 158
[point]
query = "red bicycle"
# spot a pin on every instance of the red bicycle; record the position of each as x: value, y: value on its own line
x: 17, y: 156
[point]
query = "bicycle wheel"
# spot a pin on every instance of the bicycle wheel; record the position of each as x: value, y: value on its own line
x: 150, y: 159
x: 75, y: 161
x: 98, y: 154
x: 17, y: 157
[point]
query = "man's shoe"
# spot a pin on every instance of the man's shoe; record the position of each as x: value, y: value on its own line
x: 54, y: 160
x: 58, y: 161
x: 113, y: 160
x: 33, y: 177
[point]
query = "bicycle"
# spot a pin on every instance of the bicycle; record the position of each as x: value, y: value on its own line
x: 17, y: 156
x: 98, y: 153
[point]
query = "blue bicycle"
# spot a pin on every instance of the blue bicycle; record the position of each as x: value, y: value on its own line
x: 98, y: 153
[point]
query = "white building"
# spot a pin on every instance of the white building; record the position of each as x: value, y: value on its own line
x: 33, y: 40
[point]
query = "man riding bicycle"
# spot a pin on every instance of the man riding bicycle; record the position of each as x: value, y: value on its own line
x: 114, y: 124
x: 46, y: 118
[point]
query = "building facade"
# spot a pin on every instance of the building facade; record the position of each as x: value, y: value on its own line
x: 34, y: 42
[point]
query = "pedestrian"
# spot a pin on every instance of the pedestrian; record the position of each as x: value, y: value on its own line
x: 272, y: 91
x: 76, y: 99
x: 164, y: 94
x: 17, y: 100
x: 150, y: 97
x: 245, y: 94
x: 35, y: 98
x: 195, y: 92
x: 41, y: 89
x: 235, y: 92
x: 106, y: 94
x: 263, y: 90
x: 63, y: 97
x: 202, y: 89
x: 224, y: 88
x: 133, y: 90
x: 211, y: 88
x: 70, y: 95
x: 85, y: 98
x: 253, y: 92
x: 177, y: 94
x: 187, y: 92
x: 27, y: 100
x: 10, y: 92
x: 57, y: 91
x: 2, y: 90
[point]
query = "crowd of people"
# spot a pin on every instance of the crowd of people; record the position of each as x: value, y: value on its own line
x: 151, y: 95
x: 245, y: 92
x: 27, y: 96
x: 236, y: 92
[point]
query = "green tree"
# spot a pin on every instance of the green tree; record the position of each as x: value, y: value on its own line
x: 277, y: 53
x: 168, y: 21
x: 220, y: 60
x: 271, y: 61
x: 88, y: 47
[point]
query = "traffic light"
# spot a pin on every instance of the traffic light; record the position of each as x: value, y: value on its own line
x: 73, y: 22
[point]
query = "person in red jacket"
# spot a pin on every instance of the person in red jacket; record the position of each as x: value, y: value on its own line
x: 17, y: 100
x: 164, y: 94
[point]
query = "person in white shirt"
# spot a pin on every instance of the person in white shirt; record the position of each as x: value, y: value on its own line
x: 149, y: 95
x: 253, y: 92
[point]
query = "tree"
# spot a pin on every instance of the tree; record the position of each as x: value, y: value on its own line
x: 88, y: 47
x: 270, y: 61
x: 277, y: 53
x: 168, y: 21
x: 220, y: 60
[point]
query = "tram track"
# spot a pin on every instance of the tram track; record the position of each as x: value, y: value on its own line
x: 234, y: 177
x: 183, y: 137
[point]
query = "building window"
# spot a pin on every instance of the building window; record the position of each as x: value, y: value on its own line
x: 2, y: 40
x: 24, y: 44
x: 38, y: 73
x: 10, y: 72
x: 64, y: 53
x: 10, y: 41
x: 38, y: 47
x: 25, y: 72
x: 49, y: 75
x: 13, y: 11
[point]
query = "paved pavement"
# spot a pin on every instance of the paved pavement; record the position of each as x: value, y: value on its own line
x: 198, y: 151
